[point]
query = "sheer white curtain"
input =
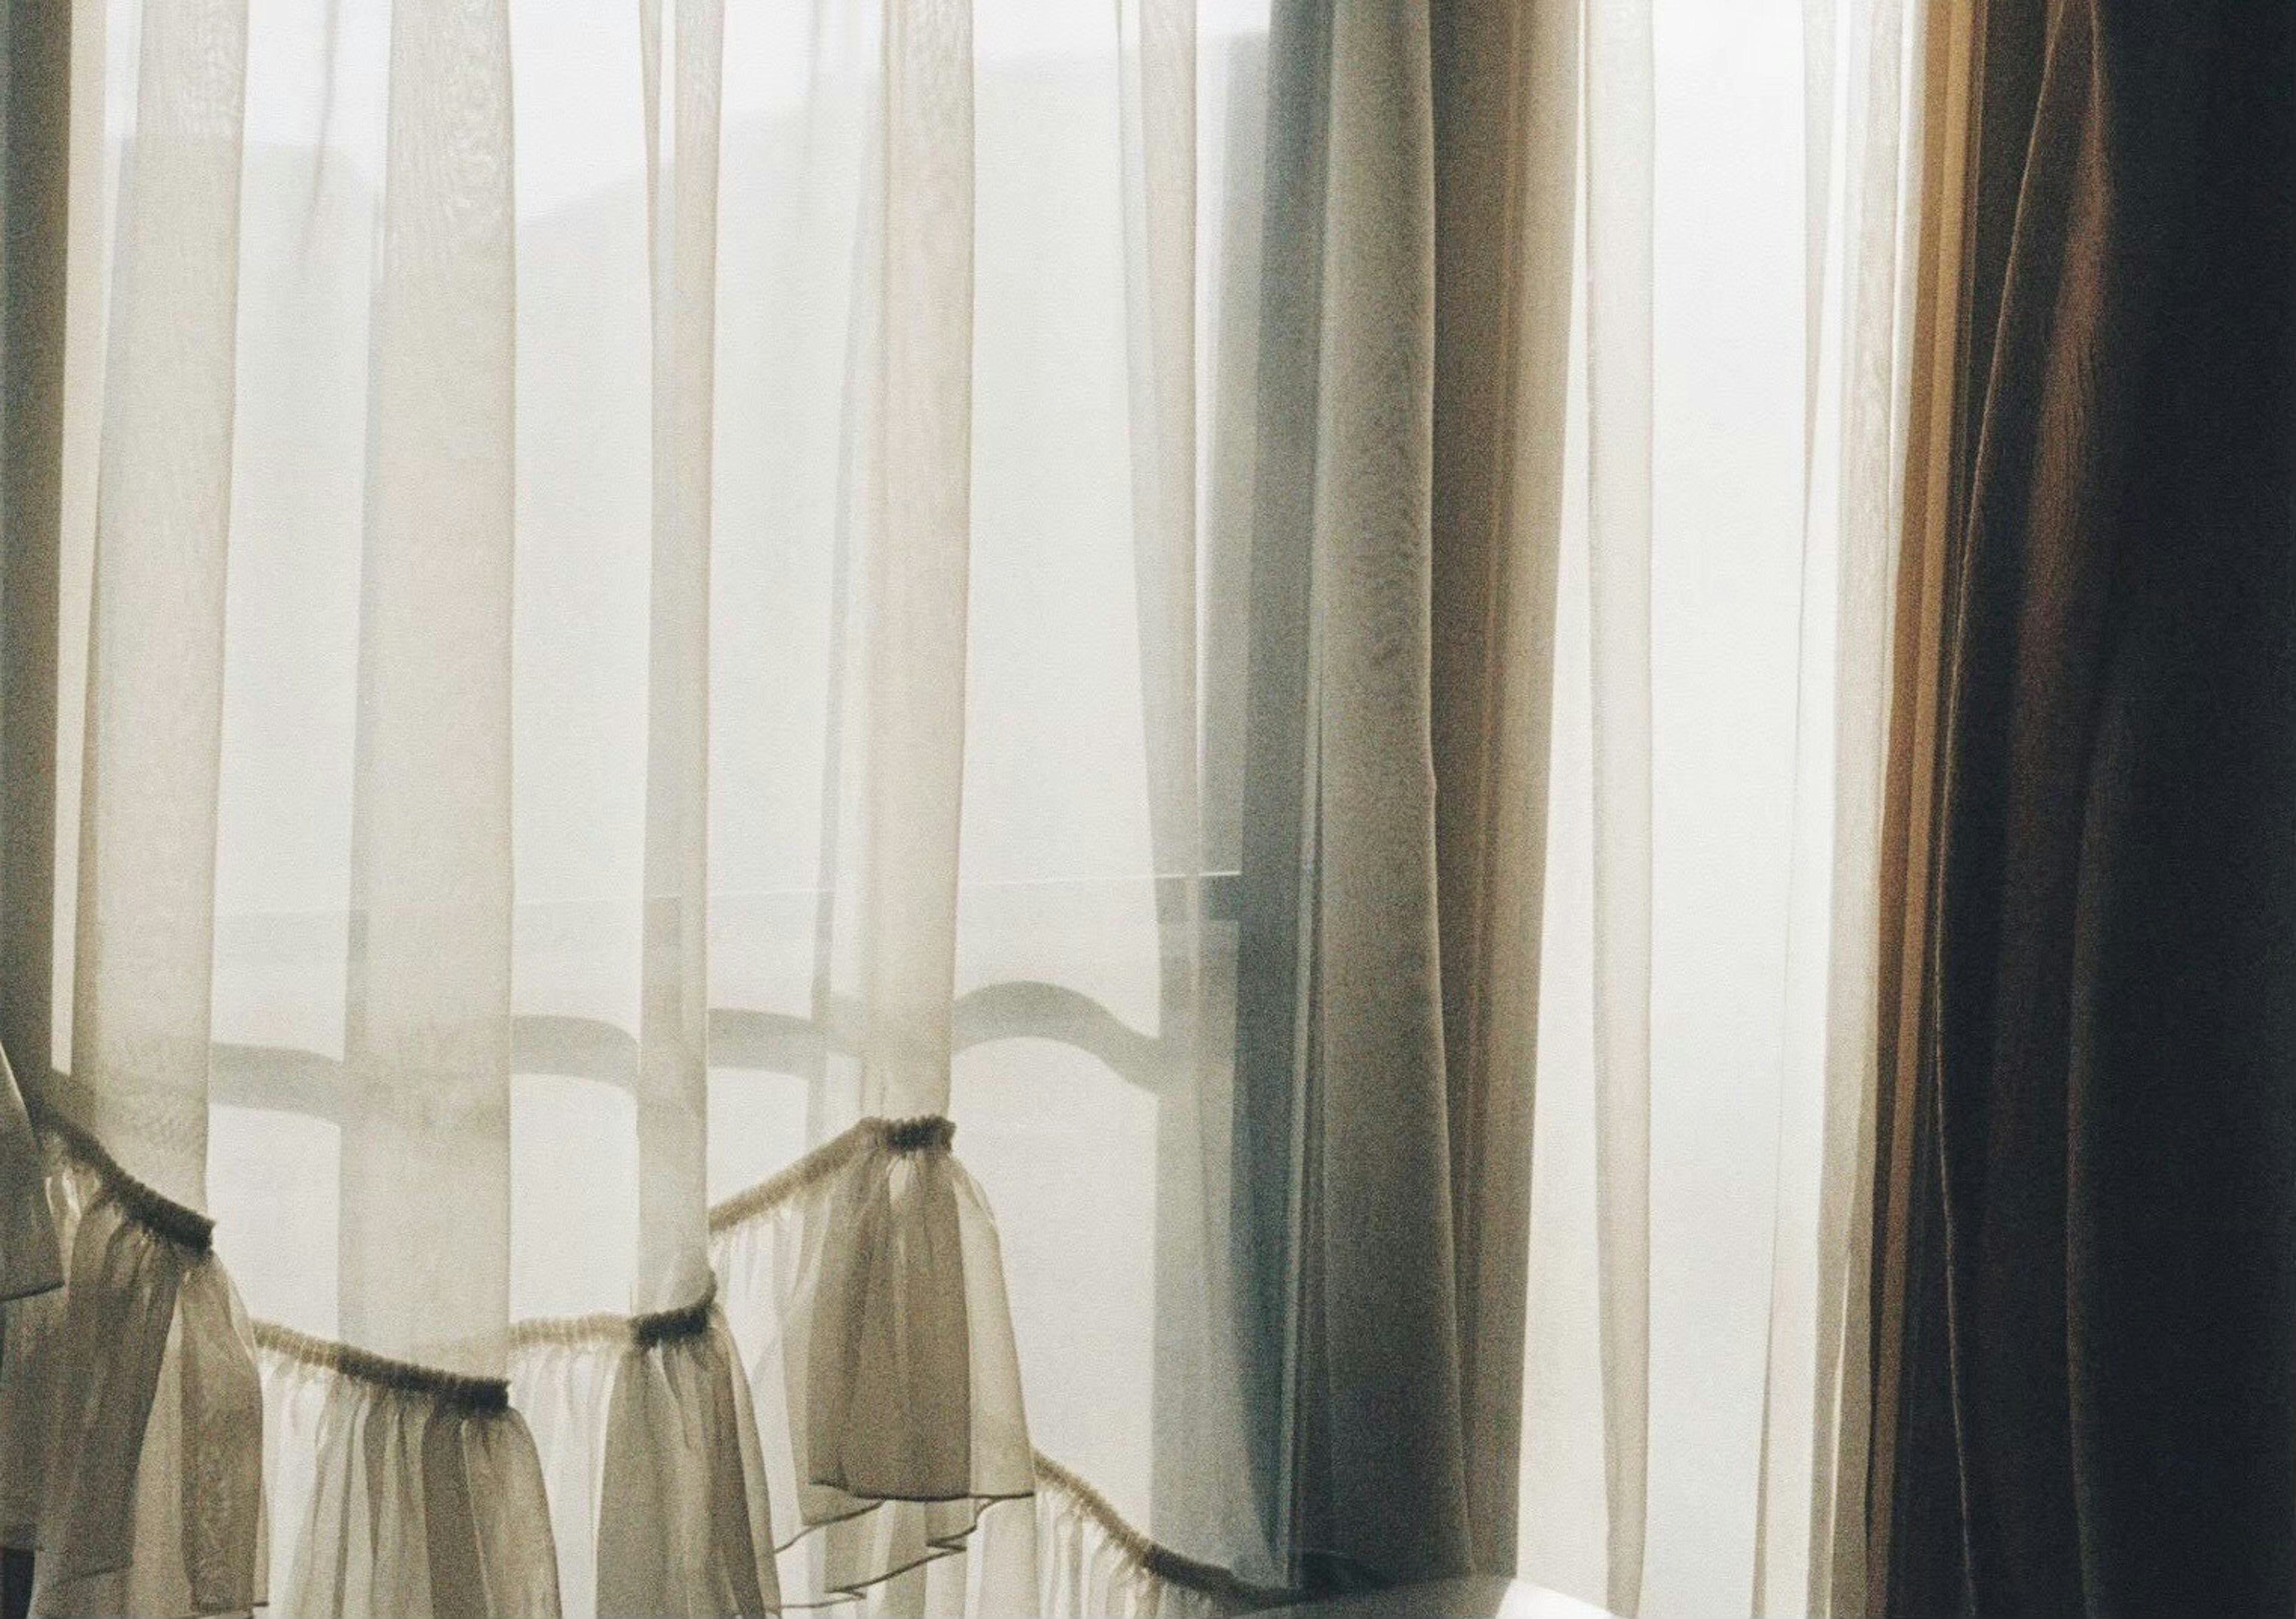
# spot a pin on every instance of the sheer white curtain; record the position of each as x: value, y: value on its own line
x: 636, y: 573
x: 661, y: 605
x: 1694, y: 1388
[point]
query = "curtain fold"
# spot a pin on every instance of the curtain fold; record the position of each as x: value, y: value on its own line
x: 682, y: 599
x: 1382, y: 1449
x: 127, y: 1389
x: 1817, y: 1419
x: 427, y: 1007
x: 139, y: 1376
x: 141, y: 987
x: 866, y: 1279
x: 1936, y: 496
x: 1505, y: 110
x: 659, y: 1496
x: 45, y: 117
x: 1621, y: 117
x: 1734, y: 431
x: 29, y: 1260
x: 36, y: 72
x: 1414, y: 306
x: 2096, y: 1362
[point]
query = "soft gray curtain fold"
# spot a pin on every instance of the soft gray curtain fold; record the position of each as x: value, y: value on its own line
x: 1620, y: 113
x: 1379, y: 1405
x: 1414, y: 333
x: 1339, y: 1030
x: 29, y: 1261
x: 39, y: 67
x: 1505, y: 116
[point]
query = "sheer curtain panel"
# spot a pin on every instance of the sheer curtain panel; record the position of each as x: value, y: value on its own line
x: 800, y: 799
x: 1738, y: 400
x: 628, y: 586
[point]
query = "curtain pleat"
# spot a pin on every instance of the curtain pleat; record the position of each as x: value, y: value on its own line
x: 141, y: 987
x: 1809, y: 1534
x: 36, y: 76
x: 658, y: 1490
x: 682, y: 65
x: 1505, y: 110
x: 1275, y: 832
x: 139, y: 1376
x: 478, y: 832
x: 427, y: 1046
x: 127, y: 1387
x: 1733, y: 434
x: 867, y: 1282
x: 45, y: 119
x: 1935, y: 495
x: 902, y: 731
x: 1620, y: 117
x: 1381, y: 1487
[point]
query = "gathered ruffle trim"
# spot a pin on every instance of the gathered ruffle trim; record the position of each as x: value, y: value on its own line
x: 30, y: 1261
x: 930, y: 1133
x: 644, y: 1331
x: 629, y: 1463
x: 867, y: 1281
x: 400, y: 1489
x: 1096, y: 1566
x: 447, y: 1388
x: 649, y: 1448
x: 130, y: 1408
x: 160, y: 1216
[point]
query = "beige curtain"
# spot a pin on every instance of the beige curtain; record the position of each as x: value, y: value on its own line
x: 1696, y: 1380
x: 698, y: 644
x: 1403, y: 547
x: 628, y: 594
x: 1506, y: 125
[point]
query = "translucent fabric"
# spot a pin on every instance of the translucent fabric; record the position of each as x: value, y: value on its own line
x: 131, y: 1416
x: 406, y: 1490
x: 29, y: 1261
x: 1094, y: 1565
x: 868, y: 1281
x: 648, y: 1428
x: 426, y: 1015
x: 632, y: 579
x: 1694, y: 1383
x: 141, y: 1002
x: 130, y: 1424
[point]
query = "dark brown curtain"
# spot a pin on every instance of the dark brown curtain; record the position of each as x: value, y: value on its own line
x: 2092, y: 1382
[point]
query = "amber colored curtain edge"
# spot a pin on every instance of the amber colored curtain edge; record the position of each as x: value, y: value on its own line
x: 1934, y: 496
x: 1981, y: 87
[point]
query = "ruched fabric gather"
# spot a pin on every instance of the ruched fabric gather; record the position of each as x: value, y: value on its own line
x: 29, y: 1261
x: 405, y: 1490
x: 867, y: 1283
x: 130, y: 1414
x: 160, y: 1453
x: 658, y: 1490
x: 1095, y: 1565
